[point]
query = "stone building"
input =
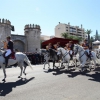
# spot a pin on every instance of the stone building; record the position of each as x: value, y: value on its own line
x: 29, y: 42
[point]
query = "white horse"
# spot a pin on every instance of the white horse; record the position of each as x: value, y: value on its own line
x: 20, y: 59
x: 65, y: 55
x: 97, y: 51
x: 46, y: 58
x: 83, y: 57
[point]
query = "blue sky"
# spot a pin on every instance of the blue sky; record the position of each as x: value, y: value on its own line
x: 47, y: 13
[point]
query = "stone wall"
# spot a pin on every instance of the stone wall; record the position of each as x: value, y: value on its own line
x: 25, y: 43
x: 32, y: 33
x: 19, y: 42
x: 5, y: 30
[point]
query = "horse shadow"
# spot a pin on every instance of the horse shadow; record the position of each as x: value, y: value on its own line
x: 95, y: 76
x: 51, y: 70
x: 6, y: 88
x: 65, y: 71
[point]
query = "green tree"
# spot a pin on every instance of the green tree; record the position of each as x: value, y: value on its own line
x: 96, y: 36
x: 64, y: 35
x: 67, y: 36
x: 92, y: 39
x: 88, y: 32
x: 70, y: 37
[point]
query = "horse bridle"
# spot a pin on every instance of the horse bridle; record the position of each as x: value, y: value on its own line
x: 79, y: 51
x: 64, y: 54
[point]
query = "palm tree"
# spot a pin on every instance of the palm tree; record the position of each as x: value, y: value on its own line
x: 70, y: 37
x: 64, y: 35
x: 97, y: 36
x: 88, y: 32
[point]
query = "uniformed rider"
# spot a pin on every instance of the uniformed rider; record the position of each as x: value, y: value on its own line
x: 85, y: 45
x: 70, y: 46
x: 9, y: 50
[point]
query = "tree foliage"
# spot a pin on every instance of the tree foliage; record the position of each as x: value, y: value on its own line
x: 67, y: 36
x: 64, y: 35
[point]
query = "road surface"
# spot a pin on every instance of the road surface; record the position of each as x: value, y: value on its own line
x: 41, y: 84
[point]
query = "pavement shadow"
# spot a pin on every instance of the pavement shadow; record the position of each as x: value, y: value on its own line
x: 65, y: 71
x: 95, y: 76
x: 6, y: 88
x: 51, y: 70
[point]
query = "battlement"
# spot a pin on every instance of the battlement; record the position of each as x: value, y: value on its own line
x: 5, y: 21
x: 32, y: 26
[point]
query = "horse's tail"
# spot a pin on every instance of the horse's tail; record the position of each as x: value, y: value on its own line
x: 28, y: 62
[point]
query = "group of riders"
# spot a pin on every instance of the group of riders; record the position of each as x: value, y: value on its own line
x: 69, y: 46
x: 8, y: 46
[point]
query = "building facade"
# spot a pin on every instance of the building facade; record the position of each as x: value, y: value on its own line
x: 29, y: 42
x: 71, y: 30
x: 45, y: 37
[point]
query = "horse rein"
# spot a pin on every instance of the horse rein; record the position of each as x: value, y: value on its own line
x: 79, y: 52
x: 64, y: 54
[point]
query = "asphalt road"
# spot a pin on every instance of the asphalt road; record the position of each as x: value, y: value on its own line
x: 41, y: 84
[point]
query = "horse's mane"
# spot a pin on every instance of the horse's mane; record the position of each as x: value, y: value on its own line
x: 79, y: 46
x: 62, y: 48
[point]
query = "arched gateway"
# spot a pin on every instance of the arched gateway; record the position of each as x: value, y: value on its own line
x: 19, y: 42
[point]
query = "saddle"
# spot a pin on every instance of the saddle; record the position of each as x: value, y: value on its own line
x: 88, y: 55
x: 12, y: 56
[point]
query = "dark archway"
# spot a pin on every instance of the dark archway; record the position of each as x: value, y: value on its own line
x: 19, y: 45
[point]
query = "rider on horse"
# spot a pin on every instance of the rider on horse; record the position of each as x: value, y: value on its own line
x: 58, y: 44
x: 85, y: 45
x: 69, y: 47
x: 9, y: 50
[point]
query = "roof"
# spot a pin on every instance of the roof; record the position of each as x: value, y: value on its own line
x: 55, y: 40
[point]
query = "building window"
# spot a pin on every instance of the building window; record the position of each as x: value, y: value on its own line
x: 72, y: 30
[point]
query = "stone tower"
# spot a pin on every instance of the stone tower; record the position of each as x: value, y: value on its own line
x: 5, y: 30
x: 32, y: 34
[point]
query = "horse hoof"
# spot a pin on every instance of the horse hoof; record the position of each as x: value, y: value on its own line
x: 25, y: 73
x: 4, y: 80
x: 43, y: 68
x: 19, y: 77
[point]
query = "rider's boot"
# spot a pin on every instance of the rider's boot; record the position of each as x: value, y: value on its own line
x: 6, y: 62
x: 58, y: 58
x: 89, y: 56
x: 71, y: 57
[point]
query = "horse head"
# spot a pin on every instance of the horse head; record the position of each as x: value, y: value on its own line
x: 77, y: 48
x: 61, y: 51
